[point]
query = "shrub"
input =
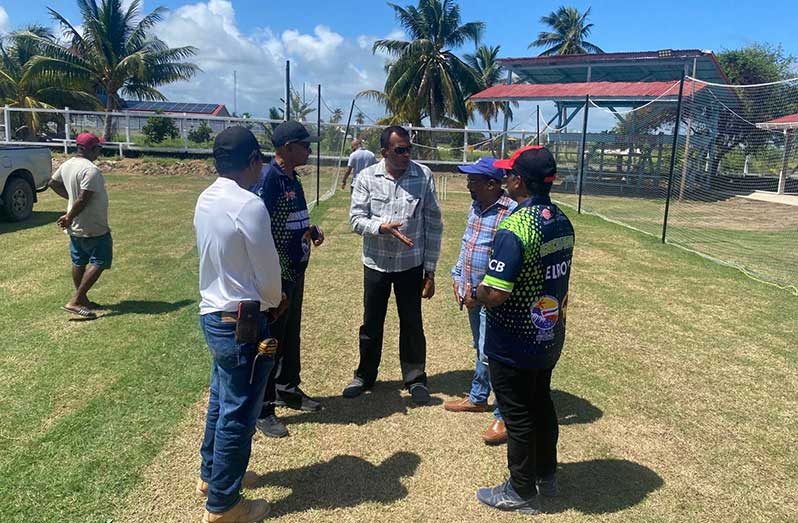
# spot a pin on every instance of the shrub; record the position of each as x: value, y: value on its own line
x: 159, y: 128
x: 200, y: 134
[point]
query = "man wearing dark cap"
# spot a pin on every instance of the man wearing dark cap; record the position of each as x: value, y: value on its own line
x: 86, y: 221
x: 281, y: 190
x: 239, y: 282
x: 526, y: 293
x: 491, y: 205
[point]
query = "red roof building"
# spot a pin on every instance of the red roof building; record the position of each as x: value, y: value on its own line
x: 786, y: 122
x: 598, y: 91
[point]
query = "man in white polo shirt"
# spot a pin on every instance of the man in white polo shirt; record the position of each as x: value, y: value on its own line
x: 239, y: 282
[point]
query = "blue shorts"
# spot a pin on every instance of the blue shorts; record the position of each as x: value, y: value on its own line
x: 97, y: 250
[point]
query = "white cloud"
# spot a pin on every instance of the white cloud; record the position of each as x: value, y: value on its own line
x: 5, y: 23
x: 367, y: 41
x: 320, y: 47
x: 343, y: 66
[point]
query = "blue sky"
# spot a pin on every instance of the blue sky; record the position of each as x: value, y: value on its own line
x: 329, y: 42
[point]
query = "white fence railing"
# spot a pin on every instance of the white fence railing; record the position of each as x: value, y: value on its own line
x: 58, y: 128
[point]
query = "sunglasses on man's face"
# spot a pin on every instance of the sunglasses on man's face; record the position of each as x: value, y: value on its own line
x: 403, y: 150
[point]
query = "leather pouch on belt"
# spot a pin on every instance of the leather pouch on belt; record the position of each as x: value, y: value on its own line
x: 247, y: 323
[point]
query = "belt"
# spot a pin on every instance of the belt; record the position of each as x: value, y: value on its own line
x: 229, y: 316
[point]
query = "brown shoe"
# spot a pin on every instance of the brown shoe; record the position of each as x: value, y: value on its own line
x: 245, y: 511
x: 465, y: 405
x: 250, y: 481
x: 496, y: 433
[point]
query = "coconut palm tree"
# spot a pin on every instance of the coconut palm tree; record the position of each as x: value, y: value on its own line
x: 399, y: 111
x: 337, y: 115
x: 360, y: 118
x: 33, y: 92
x: 569, y: 30
x: 425, y: 73
x: 115, y: 52
x: 489, y: 72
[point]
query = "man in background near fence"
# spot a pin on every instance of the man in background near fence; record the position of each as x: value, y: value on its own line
x: 491, y: 205
x: 395, y: 209
x: 86, y: 221
x: 281, y: 190
x: 239, y: 282
x: 526, y: 292
x: 359, y: 159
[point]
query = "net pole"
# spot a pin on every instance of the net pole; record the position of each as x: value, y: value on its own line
x: 673, y: 158
x: 318, y: 146
x: 582, y: 154
x: 686, y: 162
x: 343, y: 142
x: 784, y: 162
x: 287, y: 115
x: 537, y: 135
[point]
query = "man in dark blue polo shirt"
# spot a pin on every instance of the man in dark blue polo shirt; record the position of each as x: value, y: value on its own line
x: 281, y: 190
x: 526, y: 292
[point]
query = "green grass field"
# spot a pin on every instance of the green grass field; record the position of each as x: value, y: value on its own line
x: 759, y: 237
x: 676, y: 390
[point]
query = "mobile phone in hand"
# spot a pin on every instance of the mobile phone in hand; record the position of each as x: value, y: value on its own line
x: 314, y: 233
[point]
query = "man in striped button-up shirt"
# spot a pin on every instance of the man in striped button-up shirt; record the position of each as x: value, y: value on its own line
x: 491, y: 206
x: 395, y: 209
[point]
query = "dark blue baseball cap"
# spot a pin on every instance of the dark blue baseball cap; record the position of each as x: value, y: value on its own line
x: 483, y: 167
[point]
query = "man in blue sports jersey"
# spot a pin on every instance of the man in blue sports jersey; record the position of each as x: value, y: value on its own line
x: 525, y: 291
x: 281, y: 190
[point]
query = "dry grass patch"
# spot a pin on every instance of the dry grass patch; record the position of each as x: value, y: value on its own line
x: 655, y: 396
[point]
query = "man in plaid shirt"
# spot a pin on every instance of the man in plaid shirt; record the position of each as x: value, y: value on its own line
x: 491, y: 206
x: 395, y: 209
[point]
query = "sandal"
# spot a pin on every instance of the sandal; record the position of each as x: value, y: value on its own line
x: 83, y: 312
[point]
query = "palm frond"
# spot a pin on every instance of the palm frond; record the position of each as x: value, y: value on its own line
x: 392, y: 47
x: 69, y: 33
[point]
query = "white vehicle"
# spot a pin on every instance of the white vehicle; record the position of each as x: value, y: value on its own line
x: 24, y: 171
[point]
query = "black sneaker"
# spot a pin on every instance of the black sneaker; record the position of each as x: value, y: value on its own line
x: 271, y: 426
x: 355, y: 387
x: 419, y: 394
x: 548, y: 486
x: 299, y: 401
x: 504, y: 497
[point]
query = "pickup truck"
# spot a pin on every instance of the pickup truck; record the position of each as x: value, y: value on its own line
x: 24, y: 171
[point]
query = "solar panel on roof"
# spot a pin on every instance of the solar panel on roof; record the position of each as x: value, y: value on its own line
x: 171, y: 107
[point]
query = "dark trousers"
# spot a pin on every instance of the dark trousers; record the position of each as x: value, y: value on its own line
x: 524, y: 397
x: 284, y: 379
x: 407, y: 287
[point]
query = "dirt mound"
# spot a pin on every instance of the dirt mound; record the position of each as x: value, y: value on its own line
x: 149, y: 166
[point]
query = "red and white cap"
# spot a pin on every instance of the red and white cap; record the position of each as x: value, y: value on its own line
x: 533, y: 160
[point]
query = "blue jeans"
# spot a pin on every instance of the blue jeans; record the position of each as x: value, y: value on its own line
x: 232, y: 409
x: 480, y: 385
